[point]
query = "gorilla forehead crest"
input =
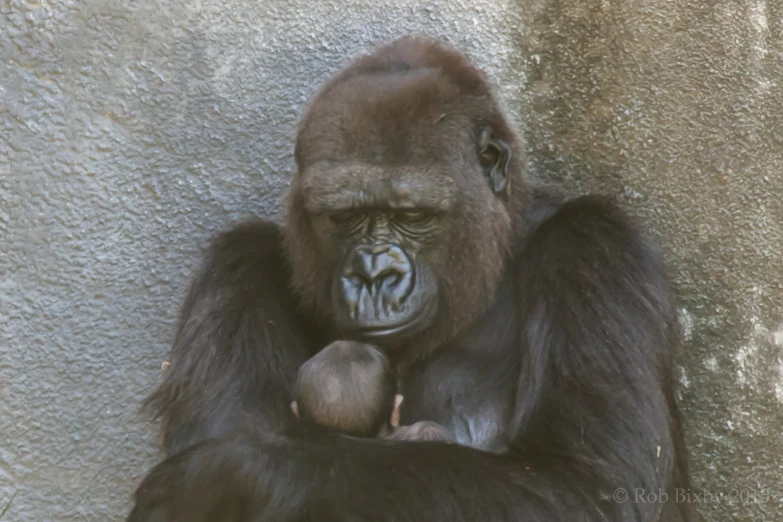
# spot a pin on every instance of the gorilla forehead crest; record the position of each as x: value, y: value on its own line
x: 414, y: 101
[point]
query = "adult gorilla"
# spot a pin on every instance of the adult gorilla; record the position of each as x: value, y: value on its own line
x: 539, y: 330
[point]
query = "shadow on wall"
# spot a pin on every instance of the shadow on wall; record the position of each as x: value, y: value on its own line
x: 676, y: 108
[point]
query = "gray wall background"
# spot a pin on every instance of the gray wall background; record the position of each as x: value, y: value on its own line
x: 131, y: 131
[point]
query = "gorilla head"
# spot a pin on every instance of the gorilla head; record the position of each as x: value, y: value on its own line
x: 409, y: 194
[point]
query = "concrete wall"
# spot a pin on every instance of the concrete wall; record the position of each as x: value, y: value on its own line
x: 130, y: 131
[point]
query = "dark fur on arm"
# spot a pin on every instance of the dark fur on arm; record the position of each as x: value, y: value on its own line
x: 239, y: 343
x: 595, y: 403
x: 593, y: 413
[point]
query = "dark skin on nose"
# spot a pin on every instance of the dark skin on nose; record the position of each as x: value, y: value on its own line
x: 380, y: 273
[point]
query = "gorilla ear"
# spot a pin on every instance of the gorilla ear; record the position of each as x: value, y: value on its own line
x: 494, y: 156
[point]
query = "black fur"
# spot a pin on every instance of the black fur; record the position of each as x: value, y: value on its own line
x: 563, y: 386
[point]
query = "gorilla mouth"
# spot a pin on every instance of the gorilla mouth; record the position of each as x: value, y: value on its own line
x: 384, y: 331
x: 415, y: 324
x: 380, y: 293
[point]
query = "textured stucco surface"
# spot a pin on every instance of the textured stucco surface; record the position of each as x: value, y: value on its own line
x: 130, y: 131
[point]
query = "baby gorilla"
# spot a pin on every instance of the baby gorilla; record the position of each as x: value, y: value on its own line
x: 350, y: 387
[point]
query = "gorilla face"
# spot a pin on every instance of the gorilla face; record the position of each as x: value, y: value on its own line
x: 389, y: 252
x: 384, y: 286
x: 403, y: 209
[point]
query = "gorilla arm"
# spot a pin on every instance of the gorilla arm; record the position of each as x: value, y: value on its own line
x: 594, y: 412
x: 595, y: 402
x: 239, y: 343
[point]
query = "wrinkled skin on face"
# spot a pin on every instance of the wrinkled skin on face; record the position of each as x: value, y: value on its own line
x: 404, y: 207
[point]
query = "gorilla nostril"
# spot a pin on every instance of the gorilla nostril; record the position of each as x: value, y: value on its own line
x: 387, y: 280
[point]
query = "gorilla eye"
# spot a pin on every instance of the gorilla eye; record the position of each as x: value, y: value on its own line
x: 344, y: 218
x: 413, y: 216
x: 414, y: 221
x: 341, y: 218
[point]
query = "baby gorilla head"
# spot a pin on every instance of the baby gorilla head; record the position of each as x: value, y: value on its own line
x: 348, y: 387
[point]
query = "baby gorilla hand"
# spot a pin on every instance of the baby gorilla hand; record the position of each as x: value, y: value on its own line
x: 422, y: 430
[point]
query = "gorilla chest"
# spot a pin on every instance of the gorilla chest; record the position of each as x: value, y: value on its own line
x: 469, y: 395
